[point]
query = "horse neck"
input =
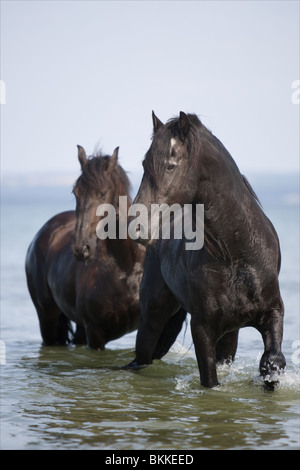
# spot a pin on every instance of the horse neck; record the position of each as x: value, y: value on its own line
x: 229, y: 208
x: 123, y: 250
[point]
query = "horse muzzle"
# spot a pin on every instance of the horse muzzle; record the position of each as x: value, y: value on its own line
x: 82, y: 253
x: 137, y: 231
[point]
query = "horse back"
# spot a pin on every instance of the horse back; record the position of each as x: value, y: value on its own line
x: 48, y: 238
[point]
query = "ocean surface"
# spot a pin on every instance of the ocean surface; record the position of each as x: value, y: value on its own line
x: 76, y: 398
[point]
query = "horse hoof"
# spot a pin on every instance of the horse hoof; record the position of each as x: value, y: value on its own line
x: 134, y: 366
x: 271, y: 367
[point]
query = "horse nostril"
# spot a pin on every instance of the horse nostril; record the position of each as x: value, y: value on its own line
x: 86, y: 251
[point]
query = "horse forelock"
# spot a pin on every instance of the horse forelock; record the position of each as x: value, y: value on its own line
x: 99, y: 174
x: 161, y: 141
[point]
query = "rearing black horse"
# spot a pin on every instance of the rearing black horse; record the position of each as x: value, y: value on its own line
x: 230, y: 283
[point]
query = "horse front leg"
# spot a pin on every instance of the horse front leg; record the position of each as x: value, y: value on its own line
x: 205, y: 348
x: 158, y: 329
x: 147, y: 338
x: 226, y: 347
x: 273, y: 361
x: 161, y: 315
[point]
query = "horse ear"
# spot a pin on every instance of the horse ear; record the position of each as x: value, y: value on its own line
x: 82, y: 156
x: 156, y: 123
x: 183, y: 124
x: 114, y: 157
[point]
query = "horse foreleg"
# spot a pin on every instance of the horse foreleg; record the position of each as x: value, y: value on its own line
x: 158, y: 329
x: 205, y: 348
x: 226, y: 347
x: 79, y: 336
x: 55, y: 327
x: 95, y: 337
x: 169, y: 334
x: 272, y: 362
x: 147, y: 339
x: 161, y: 318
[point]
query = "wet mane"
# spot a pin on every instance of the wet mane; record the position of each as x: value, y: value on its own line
x: 199, y: 141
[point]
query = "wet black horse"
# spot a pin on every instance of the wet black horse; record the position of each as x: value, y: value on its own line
x: 72, y: 275
x: 230, y: 283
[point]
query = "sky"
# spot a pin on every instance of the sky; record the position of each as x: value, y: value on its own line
x: 91, y: 72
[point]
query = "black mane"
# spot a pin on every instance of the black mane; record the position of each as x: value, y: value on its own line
x: 200, y: 142
x: 101, y: 173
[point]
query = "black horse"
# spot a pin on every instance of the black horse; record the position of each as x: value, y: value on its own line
x: 230, y: 283
x: 98, y: 288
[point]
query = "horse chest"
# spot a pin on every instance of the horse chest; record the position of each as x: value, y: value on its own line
x: 133, y: 280
x: 216, y: 289
x: 234, y: 295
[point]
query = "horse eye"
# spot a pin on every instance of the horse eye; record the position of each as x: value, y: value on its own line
x: 171, y: 166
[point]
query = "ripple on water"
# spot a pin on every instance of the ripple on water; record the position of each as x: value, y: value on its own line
x: 75, y: 397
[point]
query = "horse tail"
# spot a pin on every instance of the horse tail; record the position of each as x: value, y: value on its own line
x: 169, y: 334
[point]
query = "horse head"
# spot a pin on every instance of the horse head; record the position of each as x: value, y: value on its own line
x: 102, y: 180
x: 170, y: 172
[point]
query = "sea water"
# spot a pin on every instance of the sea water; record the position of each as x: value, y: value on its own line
x: 76, y: 398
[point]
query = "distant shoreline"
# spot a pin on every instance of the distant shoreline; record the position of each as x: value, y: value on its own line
x: 271, y: 188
